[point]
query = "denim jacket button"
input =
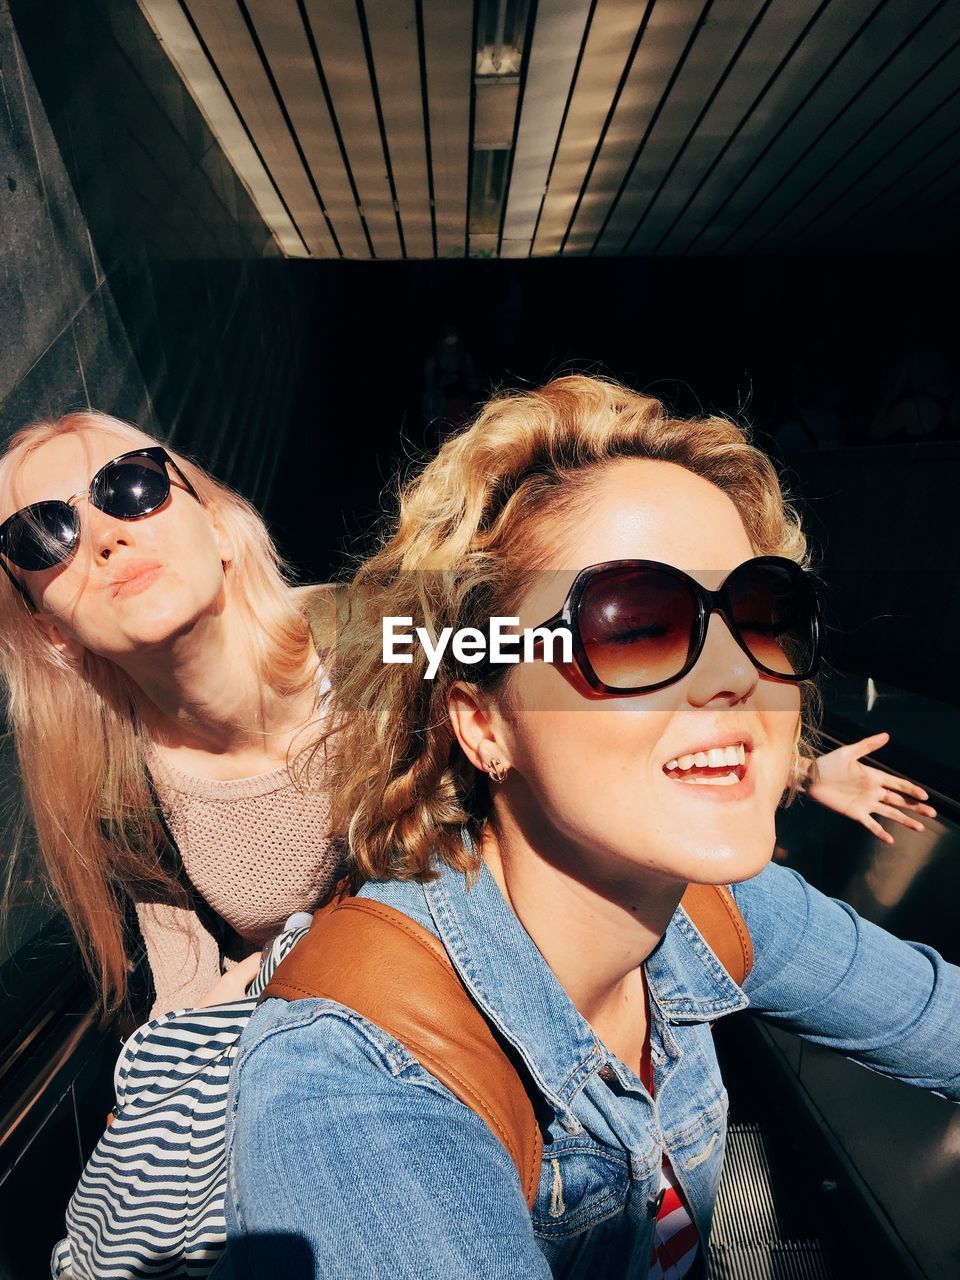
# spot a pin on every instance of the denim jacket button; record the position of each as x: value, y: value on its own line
x: 653, y: 1205
x: 607, y: 1073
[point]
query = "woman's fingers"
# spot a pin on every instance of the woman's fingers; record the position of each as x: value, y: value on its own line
x: 875, y: 828
x: 897, y: 815
x: 902, y: 785
x: 248, y: 968
x: 866, y: 745
x: 233, y: 985
x: 892, y: 797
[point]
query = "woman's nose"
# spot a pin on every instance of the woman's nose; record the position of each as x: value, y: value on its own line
x: 723, y: 671
x: 104, y: 534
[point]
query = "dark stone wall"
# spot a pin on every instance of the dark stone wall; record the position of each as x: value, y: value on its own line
x: 138, y: 277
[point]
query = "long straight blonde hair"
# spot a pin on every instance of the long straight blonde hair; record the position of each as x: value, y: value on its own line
x: 81, y: 747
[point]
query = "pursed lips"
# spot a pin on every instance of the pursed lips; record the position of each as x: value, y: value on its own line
x: 134, y: 575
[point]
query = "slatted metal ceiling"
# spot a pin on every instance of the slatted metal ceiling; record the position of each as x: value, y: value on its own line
x: 514, y: 128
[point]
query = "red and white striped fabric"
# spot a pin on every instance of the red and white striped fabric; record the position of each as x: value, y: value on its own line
x: 675, y: 1239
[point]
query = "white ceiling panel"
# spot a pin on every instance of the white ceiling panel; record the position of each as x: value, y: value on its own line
x: 180, y: 43
x: 709, y: 55
x: 225, y: 35
x: 339, y: 39
x: 708, y: 217
x: 557, y: 39
x: 606, y: 53
x: 667, y: 30
x: 873, y: 153
x: 623, y: 127
x: 448, y: 46
x: 394, y: 40
x: 280, y: 29
x: 738, y: 107
x: 922, y: 78
x: 823, y: 111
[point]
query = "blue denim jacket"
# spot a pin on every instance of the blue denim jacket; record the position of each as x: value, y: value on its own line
x: 348, y: 1159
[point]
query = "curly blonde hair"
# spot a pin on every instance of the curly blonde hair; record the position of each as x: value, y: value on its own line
x: 466, y: 546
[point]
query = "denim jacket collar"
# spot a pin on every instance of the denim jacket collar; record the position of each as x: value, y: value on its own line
x: 507, y: 976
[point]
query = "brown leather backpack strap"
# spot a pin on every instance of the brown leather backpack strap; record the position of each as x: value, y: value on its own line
x: 713, y: 909
x: 377, y: 961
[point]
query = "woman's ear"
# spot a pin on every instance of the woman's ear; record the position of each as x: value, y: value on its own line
x: 65, y: 645
x: 224, y: 545
x: 475, y: 727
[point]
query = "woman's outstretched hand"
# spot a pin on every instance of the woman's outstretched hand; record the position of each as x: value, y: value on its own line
x: 840, y: 781
x: 233, y: 985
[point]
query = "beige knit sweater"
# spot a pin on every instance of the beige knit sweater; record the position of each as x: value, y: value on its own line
x: 256, y: 849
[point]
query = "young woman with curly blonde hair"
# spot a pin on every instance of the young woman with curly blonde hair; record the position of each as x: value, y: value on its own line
x: 541, y: 821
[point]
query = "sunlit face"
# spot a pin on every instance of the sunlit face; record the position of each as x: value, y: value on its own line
x: 129, y: 584
x: 589, y: 781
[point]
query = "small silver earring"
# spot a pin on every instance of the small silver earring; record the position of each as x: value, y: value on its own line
x: 497, y: 770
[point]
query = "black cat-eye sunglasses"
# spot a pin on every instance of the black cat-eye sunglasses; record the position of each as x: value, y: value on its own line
x: 130, y: 486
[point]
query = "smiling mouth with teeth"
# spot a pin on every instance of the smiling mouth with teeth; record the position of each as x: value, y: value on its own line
x: 718, y: 766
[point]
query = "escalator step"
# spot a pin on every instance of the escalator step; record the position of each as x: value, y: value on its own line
x: 761, y: 1231
x: 792, y: 1261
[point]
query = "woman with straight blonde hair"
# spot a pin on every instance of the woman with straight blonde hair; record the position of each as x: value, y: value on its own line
x: 162, y: 679
x: 531, y: 824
